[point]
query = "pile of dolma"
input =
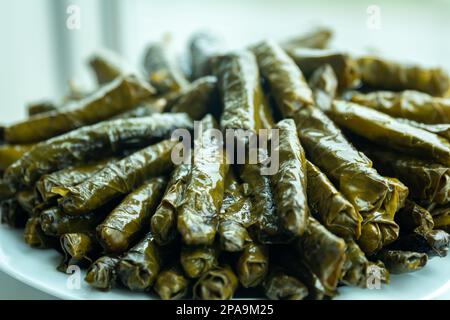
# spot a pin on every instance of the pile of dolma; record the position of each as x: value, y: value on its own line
x: 362, y: 188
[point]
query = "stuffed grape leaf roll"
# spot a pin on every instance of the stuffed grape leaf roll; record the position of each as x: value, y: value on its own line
x: 408, y: 104
x: 330, y: 207
x: 289, y: 181
x: 391, y: 75
x: 127, y: 221
x: 121, y: 95
x: 92, y: 142
x: 286, y: 81
x: 385, y: 130
x: 117, y: 178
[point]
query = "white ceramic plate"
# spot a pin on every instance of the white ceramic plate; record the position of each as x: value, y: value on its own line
x: 37, y: 268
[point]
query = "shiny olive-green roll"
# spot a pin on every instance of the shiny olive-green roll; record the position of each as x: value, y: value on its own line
x: 66, y: 178
x: 287, y: 84
x: 441, y: 129
x: 268, y: 227
x: 344, y: 66
x: 397, y: 261
x: 127, y: 221
x: 427, y: 181
x: 391, y: 75
x: 11, y: 153
x: 235, y: 216
x: 55, y: 222
x: 164, y: 221
x: 330, y: 207
x: 140, y: 266
x: 93, y: 142
x: 198, y: 99
x: 375, y: 197
x: 217, y: 284
x: 102, y: 274
x: 355, y: 266
x: 117, y: 178
x: 198, y: 215
x: 324, y: 85
x: 253, y: 265
x: 171, y: 284
x: 107, y: 66
x: 164, y: 74
x: 282, y: 286
x: 120, y: 95
x: 198, y: 260
x: 244, y: 104
x: 79, y: 249
x: 323, y: 253
x: 35, y: 237
x: 386, y: 131
x: 409, y: 104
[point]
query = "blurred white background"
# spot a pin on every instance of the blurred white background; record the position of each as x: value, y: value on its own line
x: 39, y: 54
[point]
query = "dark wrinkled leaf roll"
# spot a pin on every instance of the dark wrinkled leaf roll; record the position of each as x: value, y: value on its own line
x: 11, y: 153
x: 198, y: 215
x: 412, y: 217
x: 375, y: 197
x: 235, y: 216
x: 287, y: 84
x: 345, y: 68
x: 171, y: 284
x: 441, y: 129
x: 409, y: 104
x: 35, y: 237
x: 92, y: 142
x: 402, y: 261
x: 217, y: 284
x: 140, y: 266
x: 279, y: 285
x: 163, y: 72
x: 26, y: 200
x: 102, y: 274
x: 317, y: 39
x: 12, y: 213
x: 244, y: 104
x: 253, y: 265
x: 203, y: 46
x: 127, y: 221
x: 55, y: 222
x: 117, y: 178
x: 6, y: 191
x: 431, y: 242
x: 199, y: 99
x: 387, y: 131
x: 354, y: 270
x: 323, y: 253
x: 289, y: 181
x: 66, y: 178
x: 196, y: 260
x: 164, y: 221
x: 267, y: 228
x: 120, y: 95
x: 330, y: 207
x: 40, y: 107
x: 324, y: 84
x: 391, y: 75
x: 79, y: 249
x: 107, y: 66
x: 427, y: 181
